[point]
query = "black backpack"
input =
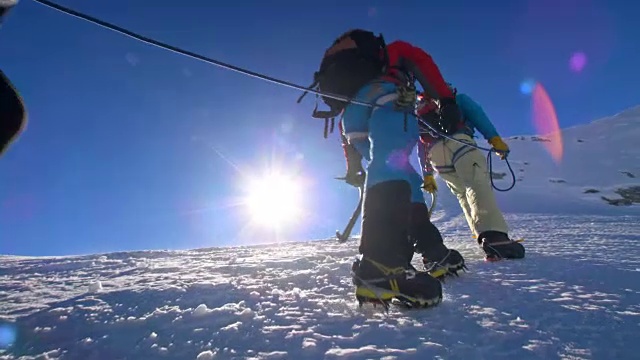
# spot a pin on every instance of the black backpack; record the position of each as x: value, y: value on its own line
x: 354, y: 59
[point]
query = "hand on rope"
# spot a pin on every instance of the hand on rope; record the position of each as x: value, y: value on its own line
x: 499, y: 146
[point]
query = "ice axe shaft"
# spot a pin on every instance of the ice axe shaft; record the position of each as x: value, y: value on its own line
x: 344, y: 235
x: 434, y: 197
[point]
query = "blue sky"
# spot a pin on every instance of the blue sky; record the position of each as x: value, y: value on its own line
x: 133, y: 147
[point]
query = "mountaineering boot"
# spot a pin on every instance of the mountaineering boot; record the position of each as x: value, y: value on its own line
x: 497, y: 245
x: 384, y: 273
x: 447, y: 264
x: 378, y: 284
x: 438, y: 260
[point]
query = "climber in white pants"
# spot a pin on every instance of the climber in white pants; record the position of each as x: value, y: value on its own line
x: 465, y: 172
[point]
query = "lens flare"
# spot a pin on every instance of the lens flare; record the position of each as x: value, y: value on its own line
x: 577, y: 62
x: 8, y: 335
x: 526, y: 87
x: 545, y: 121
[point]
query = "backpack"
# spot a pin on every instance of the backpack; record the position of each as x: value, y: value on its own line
x: 431, y: 113
x: 354, y: 59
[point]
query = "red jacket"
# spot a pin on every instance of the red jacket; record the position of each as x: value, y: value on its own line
x: 421, y: 65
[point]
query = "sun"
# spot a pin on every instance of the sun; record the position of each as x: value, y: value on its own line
x: 274, y: 200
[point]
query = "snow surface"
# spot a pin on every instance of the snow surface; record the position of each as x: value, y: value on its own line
x: 575, y: 296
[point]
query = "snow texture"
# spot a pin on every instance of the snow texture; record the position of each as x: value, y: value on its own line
x: 575, y: 296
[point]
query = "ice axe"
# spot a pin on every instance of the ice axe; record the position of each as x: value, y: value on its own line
x: 344, y: 235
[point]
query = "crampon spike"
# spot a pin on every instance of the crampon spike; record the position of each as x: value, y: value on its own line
x: 385, y: 304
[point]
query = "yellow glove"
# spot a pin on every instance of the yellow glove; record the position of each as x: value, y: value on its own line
x: 429, y: 184
x: 499, y: 146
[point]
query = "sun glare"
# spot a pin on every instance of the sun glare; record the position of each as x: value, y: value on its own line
x: 274, y: 200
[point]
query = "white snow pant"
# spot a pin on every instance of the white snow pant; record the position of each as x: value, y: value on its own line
x: 464, y: 169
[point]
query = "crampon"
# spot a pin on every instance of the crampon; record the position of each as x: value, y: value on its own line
x: 385, y: 299
x: 442, y: 272
x: 451, y: 264
x: 379, y: 285
x: 496, y: 258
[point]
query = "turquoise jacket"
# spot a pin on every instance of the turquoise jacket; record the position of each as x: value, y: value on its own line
x: 384, y: 136
x: 474, y: 119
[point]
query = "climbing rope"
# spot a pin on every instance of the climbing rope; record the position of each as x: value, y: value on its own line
x: 243, y: 71
x: 513, y: 175
x: 436, y: 133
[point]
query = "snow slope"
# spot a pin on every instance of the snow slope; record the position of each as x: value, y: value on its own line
x: 576, y: 296
x: 599, y: 158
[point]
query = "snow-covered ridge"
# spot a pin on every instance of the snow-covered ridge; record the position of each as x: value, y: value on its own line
x: 600, y: 166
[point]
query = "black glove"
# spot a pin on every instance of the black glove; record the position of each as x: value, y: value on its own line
x: 355, y: 178
x: 355, y: 172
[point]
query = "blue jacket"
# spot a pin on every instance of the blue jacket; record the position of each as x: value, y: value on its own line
x: 383, y: 135
x: 475, y: 118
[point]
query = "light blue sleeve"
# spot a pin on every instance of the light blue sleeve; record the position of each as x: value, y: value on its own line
x: 475, y: 115
x: 363, y: 148
x: 355, y: 120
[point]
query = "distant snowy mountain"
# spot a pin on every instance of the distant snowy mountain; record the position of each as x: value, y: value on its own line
x: 575, y: 296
